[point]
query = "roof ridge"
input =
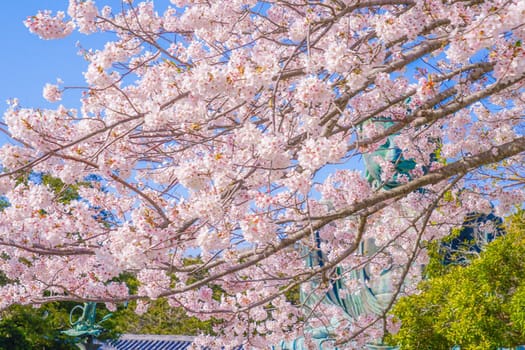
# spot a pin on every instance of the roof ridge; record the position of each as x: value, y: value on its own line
x: 130, y: 336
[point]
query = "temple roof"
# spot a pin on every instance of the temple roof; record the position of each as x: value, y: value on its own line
x: 150, y: 342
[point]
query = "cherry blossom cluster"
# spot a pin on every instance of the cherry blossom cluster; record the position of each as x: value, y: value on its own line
x: 236, y: 130
x: 46, y: 26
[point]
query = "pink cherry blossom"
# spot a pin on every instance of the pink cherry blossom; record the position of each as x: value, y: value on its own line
x: 52, y: 93
x: 237, y: 130
x: 48, y: 27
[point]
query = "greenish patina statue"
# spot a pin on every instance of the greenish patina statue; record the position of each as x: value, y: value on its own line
x: 86, y: 328
x: 391, y: 153
x: 374, y: 296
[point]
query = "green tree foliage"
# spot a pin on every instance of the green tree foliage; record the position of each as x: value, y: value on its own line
x: 25, y: 327
x: 479, y: 306
x: 159, y: 319
x: 65, y: 193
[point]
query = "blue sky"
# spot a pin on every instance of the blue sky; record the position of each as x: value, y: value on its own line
x: 27, y: 62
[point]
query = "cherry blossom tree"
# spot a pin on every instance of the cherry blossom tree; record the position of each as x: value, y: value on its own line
x: 236, y: 129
